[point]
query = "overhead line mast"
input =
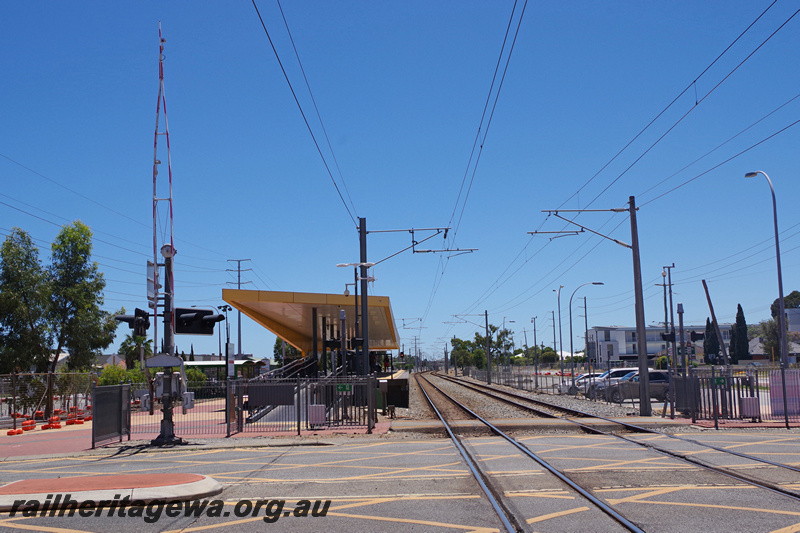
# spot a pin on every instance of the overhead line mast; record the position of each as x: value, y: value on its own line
x: 167, y: 250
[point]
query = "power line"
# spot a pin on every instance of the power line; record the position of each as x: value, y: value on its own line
x: 302, y: 113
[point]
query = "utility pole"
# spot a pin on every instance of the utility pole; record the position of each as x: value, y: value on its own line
x: 362, y: 240
x: 672, y: 318
x: 641, y: 327
x: 488, y: 351
x: 645, y: 409
x: 535, y: 355
x: 239, y: 287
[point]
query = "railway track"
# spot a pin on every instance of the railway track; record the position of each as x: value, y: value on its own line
x: 504, y: 511
x: 602, y: 426
x: 541, y: 408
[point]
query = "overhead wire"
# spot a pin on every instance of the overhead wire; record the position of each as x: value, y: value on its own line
x: 693, y: 83
x: 302, y: 113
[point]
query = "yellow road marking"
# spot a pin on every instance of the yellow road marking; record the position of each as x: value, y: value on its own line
x: 556, y: 515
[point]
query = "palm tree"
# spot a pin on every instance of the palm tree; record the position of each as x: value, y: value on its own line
x: 130, y: 349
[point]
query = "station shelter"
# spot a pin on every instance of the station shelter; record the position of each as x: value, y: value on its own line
x: 311, y: 321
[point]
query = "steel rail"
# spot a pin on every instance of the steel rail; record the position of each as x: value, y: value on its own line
x: 632, y: 427
x: 610, y: 511
x: 740, y: 477
x: 501, y: 512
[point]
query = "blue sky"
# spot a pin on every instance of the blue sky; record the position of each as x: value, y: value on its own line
x: 401, y: 88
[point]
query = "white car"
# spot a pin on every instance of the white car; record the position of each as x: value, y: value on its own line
x: 581, y: 383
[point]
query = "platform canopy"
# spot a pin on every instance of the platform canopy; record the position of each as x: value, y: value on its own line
x: 289, y: 316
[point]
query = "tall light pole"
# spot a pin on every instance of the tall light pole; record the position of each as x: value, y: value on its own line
x: 505, y: 341
x: 536, y: 356
x: 560, y: 338
x: 781, y: 310
x: 572, y: 353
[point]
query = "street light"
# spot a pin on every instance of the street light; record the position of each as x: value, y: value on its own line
x: 560, y: 338
x: 364, y: 361
x: 781, y: 310
x: 572, y: 353
x: 505, y: 342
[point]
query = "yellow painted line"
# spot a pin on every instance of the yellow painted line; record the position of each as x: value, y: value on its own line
x: 556, y: 515
x: 616, y: 465
x: 655, y: 492
x: 791, y: 529
x: 10, y: 522
x: 549, y: 496
x: 728, y: 507
x: 344, y: 515
x: 420, y: 522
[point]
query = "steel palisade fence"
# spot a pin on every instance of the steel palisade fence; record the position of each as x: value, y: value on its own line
x: 264, y: 406
x: 707, y: 393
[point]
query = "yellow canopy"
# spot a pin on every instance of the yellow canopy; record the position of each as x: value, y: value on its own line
x: 288, y: 315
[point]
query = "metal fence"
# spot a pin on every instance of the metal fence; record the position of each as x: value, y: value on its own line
x: 264, y: 406
x: 746, y: 392
x: 208, y: 416
x: 27, y: 396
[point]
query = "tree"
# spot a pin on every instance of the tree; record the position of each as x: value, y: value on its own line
x: 292, y: 353
x: 129, y: 348
x: 710, y: 343
x: 78, y: 323
x: 770, y: 342
x: 740, y: 346
x: 791, y: 301
x: 25, y: 335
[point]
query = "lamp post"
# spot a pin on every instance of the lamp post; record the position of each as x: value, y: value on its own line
x: 781, y: 310
x: 505, y: 342
x: 536, y: 356
x: 363, y: 361
x: 572, y: 353
x: 560, y: 338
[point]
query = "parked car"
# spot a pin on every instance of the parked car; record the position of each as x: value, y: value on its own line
x: 582, y: 383
x: 597, y: 388
x: 627, y: 388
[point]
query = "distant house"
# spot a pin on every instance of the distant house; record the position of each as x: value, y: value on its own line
x: 757, y: 351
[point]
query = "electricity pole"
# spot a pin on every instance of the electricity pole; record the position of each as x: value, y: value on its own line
x: 641, y: 327
x: 239, y: 286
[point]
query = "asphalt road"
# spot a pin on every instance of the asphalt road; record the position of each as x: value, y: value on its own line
x: 410, y: 482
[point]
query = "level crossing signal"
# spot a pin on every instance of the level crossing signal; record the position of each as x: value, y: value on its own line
x: 192, y: 321
x: 138, y: 322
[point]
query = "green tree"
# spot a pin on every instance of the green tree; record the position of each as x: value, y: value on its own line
x: 195, y: 375
x: 292, y: 353
x: 548, y: 356
x: 711, y: 343
x: 790, y: 301
x: 112, y: 375
x: 740, y: 345
x: 78, y: 323
x: 129, y: 348
x: 770, y: 340
x: 25, y: 335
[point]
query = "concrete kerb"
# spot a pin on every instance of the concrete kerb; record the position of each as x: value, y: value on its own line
x: 107, y: 488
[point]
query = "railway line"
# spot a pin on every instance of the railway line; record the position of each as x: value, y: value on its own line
x: 672, y: 458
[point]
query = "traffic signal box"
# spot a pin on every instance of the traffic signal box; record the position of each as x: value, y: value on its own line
x: 138, y: 322
x: 192, y: 321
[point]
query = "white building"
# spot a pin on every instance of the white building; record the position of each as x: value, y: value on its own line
x: 619, y: 344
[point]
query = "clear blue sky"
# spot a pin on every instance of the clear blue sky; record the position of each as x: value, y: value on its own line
x: 401, y: 88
